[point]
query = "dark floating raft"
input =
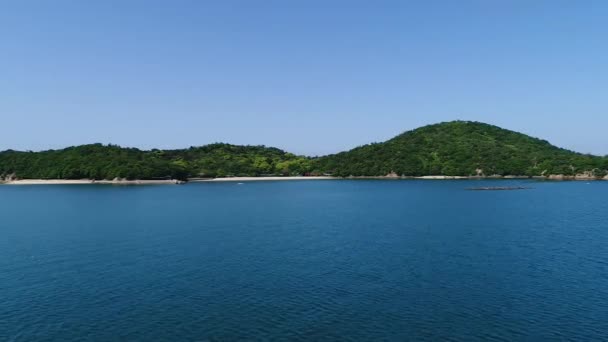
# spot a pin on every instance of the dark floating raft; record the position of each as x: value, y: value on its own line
x: 499, y: 188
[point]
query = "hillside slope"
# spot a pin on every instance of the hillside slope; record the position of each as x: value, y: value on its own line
x: 461, y: 148
x: 458, y: 148
x: 97, y: 161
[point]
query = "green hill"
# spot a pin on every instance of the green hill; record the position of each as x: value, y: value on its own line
x: 461, y: 148
x: 457, y: 148
x: 97, y: 161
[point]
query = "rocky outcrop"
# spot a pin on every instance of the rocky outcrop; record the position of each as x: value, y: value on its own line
x: 443, y: 177
x: 587, y: 175
x: 124, y: 181
x: 8, y: 178
x: 584, y: 176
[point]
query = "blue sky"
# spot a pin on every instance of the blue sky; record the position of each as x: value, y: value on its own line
x: 312, y: 77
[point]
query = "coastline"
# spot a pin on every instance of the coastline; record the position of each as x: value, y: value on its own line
x: 248, y: 179
x: 394, y: 177
x: 88, y: 181
x: 286, y: 178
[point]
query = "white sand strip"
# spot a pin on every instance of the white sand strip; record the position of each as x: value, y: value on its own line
x: 88, y: 181
x: 247, y: 179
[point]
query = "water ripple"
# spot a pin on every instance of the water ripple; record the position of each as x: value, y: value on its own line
x: 295, y: 261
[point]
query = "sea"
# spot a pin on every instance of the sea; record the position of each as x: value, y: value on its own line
x: 323, y: 260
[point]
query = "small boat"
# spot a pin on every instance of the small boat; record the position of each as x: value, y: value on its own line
x: 499, y: 188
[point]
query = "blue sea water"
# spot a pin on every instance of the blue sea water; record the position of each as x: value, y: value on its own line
x: 305, y: 260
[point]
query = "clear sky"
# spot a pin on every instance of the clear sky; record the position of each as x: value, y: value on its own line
x: 310, y: 76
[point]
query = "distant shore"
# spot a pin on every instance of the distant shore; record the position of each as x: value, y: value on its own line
x: 155, y: 182
x: 279, y: 178
x: 287, y: 178
x: 88, y: 181
x: 273, y: 178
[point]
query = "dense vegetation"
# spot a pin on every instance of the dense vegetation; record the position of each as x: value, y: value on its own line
x: 461, y: 148
x: 98, y: 161
x: 456, y: 148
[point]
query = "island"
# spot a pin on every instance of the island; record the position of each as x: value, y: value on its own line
x: 449, y: 150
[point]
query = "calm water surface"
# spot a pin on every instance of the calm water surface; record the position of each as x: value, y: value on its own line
x: 304, y: 260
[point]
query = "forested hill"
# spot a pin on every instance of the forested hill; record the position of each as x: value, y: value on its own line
x: 458, y: 148
x: 461, y: 148
x: 99, y: 161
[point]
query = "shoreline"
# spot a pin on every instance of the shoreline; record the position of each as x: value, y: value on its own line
x: 88, y: 181
x: 493, y: 177
x: 249, y: 179
x: 286, y: 178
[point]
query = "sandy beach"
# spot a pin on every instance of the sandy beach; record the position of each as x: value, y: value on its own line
x: 274, y: 178
x: 445, y: 177
x: 48, y: 181
x: 88, y: 181
x: 247, y: 179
